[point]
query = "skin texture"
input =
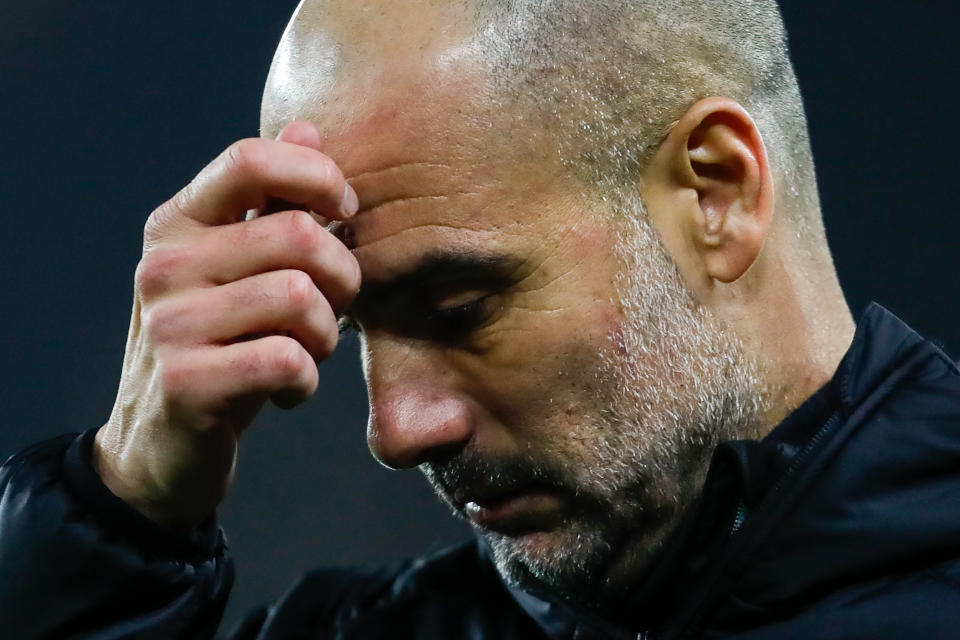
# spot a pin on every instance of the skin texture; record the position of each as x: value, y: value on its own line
x: 558, y: 362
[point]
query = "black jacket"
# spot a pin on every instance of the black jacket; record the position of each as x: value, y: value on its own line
x: 844, y: 523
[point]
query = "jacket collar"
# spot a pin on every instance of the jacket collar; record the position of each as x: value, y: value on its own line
x: 882, y: 341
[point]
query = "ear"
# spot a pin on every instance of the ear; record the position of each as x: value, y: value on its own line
x: 709, y: 192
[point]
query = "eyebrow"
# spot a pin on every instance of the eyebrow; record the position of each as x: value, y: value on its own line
x: 437, y: 269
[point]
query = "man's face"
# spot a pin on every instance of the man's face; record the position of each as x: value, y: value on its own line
x: 543, y: 365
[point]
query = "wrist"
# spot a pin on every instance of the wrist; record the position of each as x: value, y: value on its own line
x: 146, y: 484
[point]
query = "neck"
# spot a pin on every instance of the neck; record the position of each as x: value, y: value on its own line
x: 796, y: 322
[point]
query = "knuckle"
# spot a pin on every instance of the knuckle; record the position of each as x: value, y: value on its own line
x: 246, y: 157
x: 289, y: 360
x: 162, y: 218
x: 175, y: 376
x: 302, y: 231
x: 301, y: 291
x: 158, y: 323
x: 155, y: 270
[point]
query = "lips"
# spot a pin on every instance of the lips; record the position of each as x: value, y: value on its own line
x: 514, y: 513
x: 507, y: 494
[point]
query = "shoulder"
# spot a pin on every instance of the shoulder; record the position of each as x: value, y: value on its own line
x: 41, y: 459
x: 919, y: 604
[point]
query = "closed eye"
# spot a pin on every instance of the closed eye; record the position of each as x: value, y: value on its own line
x: 459, y: 319
x: 446, y: 321
x: 445, y: 297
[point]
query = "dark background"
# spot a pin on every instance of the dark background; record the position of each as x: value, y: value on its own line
x: 107, y: 108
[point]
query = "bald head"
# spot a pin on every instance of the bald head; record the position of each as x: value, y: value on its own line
x: 605, y: 78
x: 338, y: 62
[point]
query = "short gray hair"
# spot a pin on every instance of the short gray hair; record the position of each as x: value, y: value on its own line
x: 610, y: 77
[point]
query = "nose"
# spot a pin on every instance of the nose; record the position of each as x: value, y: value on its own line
x: 416, y: 415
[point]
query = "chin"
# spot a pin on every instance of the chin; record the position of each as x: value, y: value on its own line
x: 579, y: 561
x: 566, y: 560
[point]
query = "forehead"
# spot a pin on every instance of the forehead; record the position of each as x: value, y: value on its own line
x: 416, y: 154
x: 429, y: 179
x: 413, y: 128
x: 407, y: 114
x: 336, y: 56
x: 382, y: 81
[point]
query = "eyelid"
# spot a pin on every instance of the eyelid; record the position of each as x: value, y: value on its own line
x: 430, y: 310
x: 460, y: 299
x: 460, y: 321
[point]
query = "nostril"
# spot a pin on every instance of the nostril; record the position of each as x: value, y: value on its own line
x: 398, y: 452
x: 441, y: 453
x: 407, y: 431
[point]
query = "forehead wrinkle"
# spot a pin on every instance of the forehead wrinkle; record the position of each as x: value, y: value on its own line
x: 344, y: 229
x: 420, y: 226
x: 378, y: 219
x: 394, y: 167
x: 409, y: 199
x: 406, y: 181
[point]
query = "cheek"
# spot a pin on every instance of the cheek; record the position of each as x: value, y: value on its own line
x: 548, y: 374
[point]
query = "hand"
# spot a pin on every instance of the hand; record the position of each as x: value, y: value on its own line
x: 228, y: 312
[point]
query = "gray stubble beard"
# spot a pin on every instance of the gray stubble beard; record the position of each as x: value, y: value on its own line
x: 674, y: 383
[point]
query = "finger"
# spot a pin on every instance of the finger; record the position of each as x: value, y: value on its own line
x: 251, y: 172
x: 279, y: 302
x: 288, y: 240
x: 299, y: 132
x: 302, y: 133
x: 214, y: 378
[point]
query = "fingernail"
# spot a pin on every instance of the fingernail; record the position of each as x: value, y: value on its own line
x: 351, y: 203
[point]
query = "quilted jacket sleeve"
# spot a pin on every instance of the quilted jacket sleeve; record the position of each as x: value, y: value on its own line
x: 76, y: 562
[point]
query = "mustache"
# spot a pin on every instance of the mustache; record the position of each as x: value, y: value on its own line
x: 471, y: 476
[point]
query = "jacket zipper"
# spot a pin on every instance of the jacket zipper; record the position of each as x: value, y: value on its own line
x: 740, y: 517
